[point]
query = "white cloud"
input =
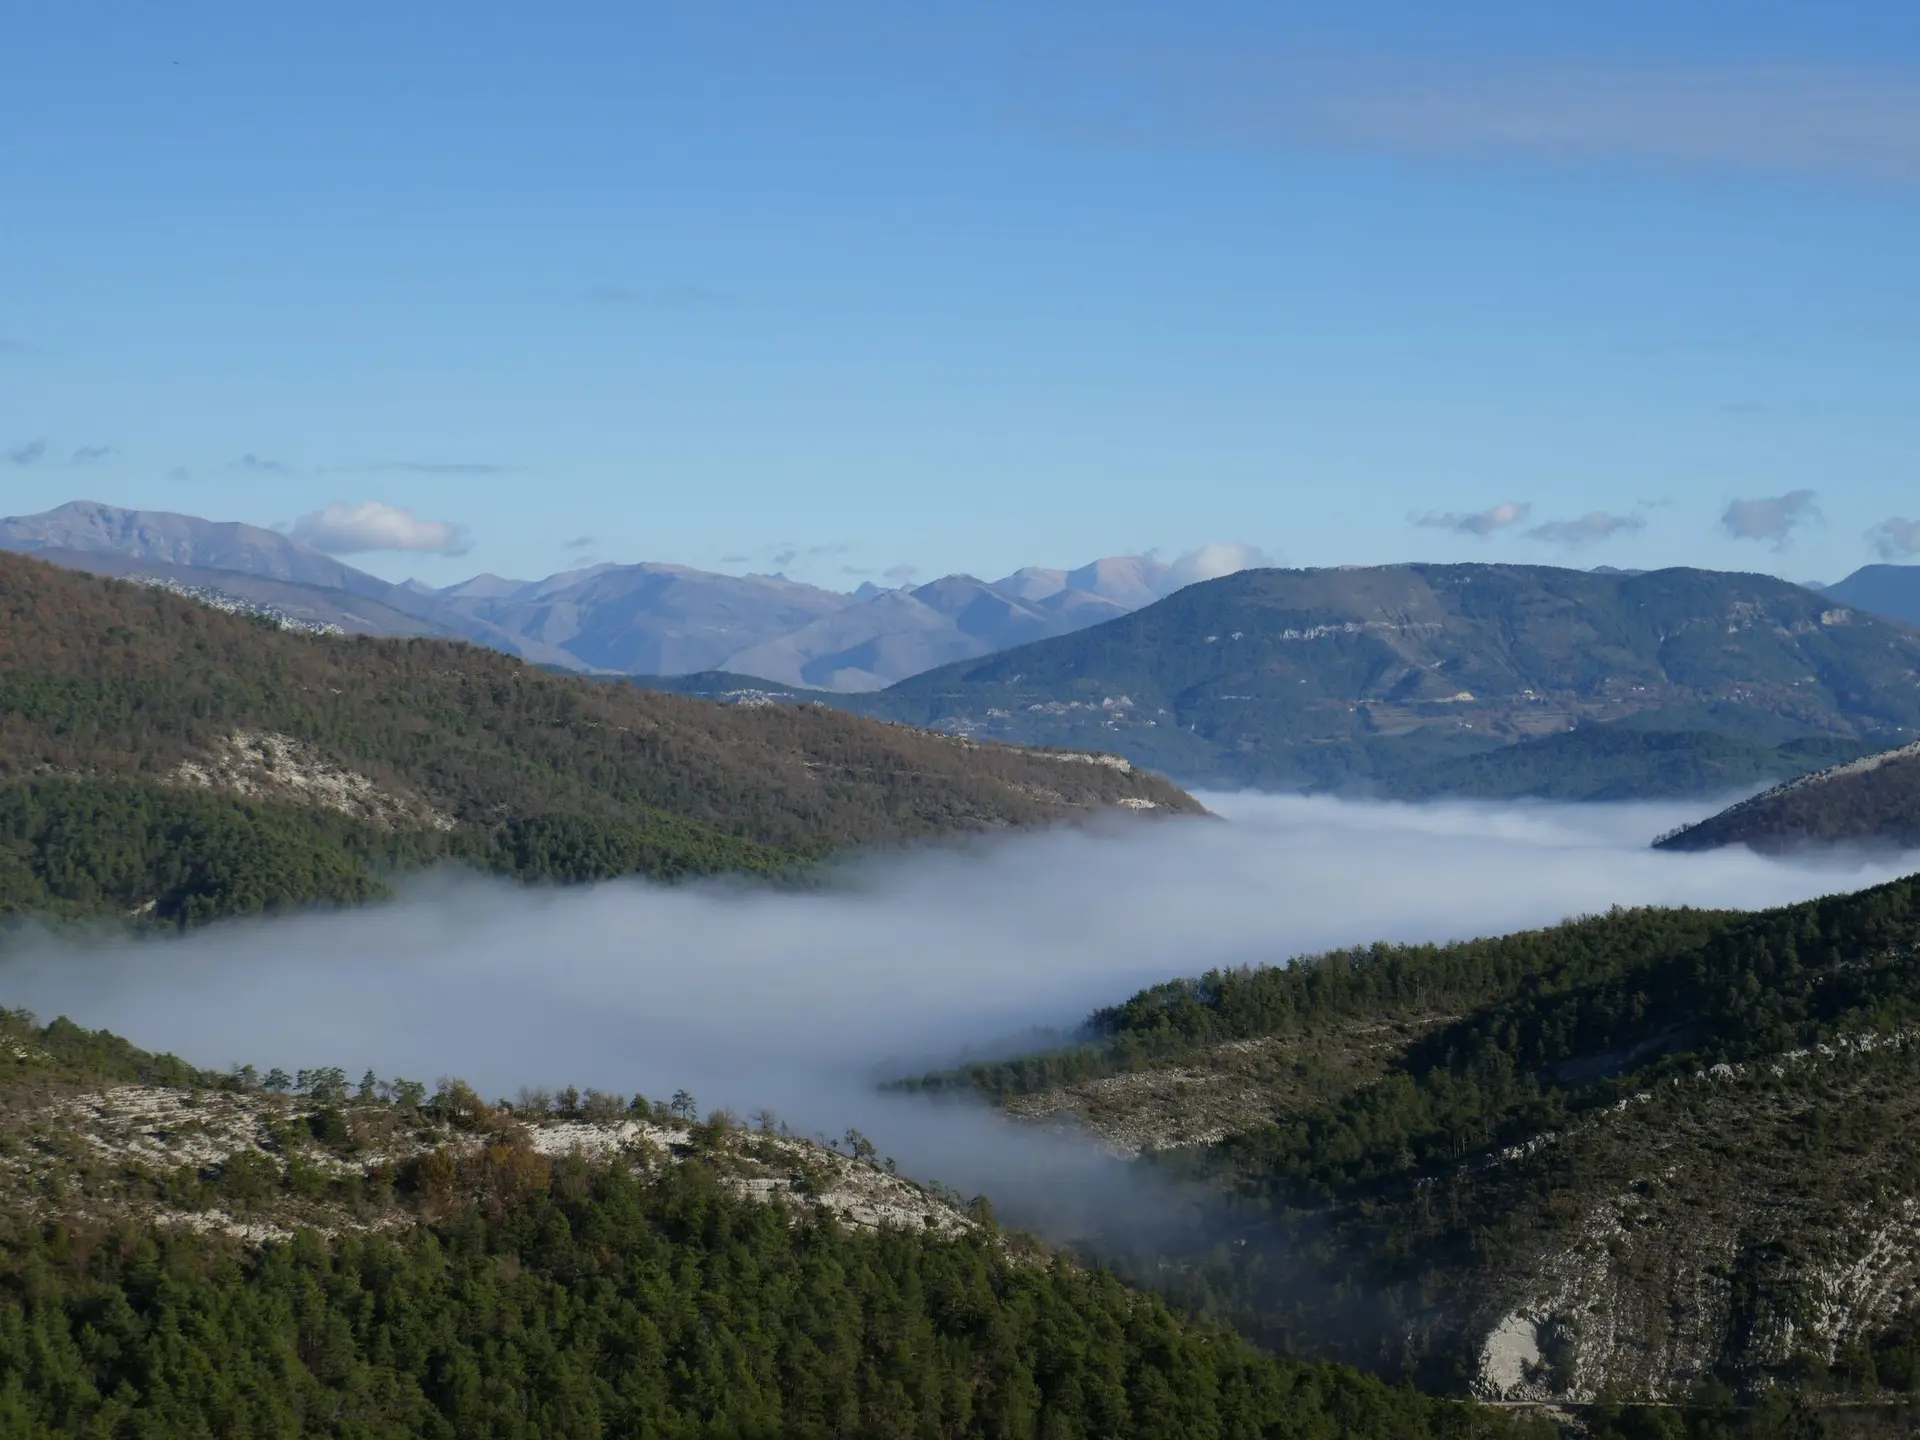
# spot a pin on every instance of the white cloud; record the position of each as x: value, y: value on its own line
x: 1772, y: 518
x: 1588, y: 529
x: 356, y: 529
x: 1478, y: 522
x: 1895, y: 539
x: 1210, y: 562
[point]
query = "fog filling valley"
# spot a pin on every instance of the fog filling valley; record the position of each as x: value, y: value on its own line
x: 788, y: 999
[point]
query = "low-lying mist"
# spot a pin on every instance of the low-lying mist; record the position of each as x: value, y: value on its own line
x: 789, y: 999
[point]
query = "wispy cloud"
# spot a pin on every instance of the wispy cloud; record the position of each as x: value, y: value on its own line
x: 423, y: 467
x: 256, y: 465
x: 371, y: 525
x: 1476, y: 522
x: 1212, y: 562
x: 14, y: 347
x: 736, y: 559
x: 89, y: 454
x: 580, y: 542
x: 1588, y: 529
x: 1895, y: 538
x: 179, y: 472
x: 787, y: 554
x: 30, y: 453
x: 900, y: 574
x: 671, y: 297
x: 1853, y: 122
x: 1772, y: 518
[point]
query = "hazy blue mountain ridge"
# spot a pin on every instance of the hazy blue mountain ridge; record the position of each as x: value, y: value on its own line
x: 646, y: 618
x: 1348, y: 677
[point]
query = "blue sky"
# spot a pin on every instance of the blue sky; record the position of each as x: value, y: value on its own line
x: 843, y: 288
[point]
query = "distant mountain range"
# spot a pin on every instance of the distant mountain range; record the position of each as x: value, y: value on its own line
x: 613, y: 619
x: 1890, y: 590
x: 1501, y: 680
x: 1407, y: 681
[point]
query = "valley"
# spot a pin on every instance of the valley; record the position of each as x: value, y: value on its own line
x: 1501, y: 1141
x: 1540, y: 1173
x: 1071, y: 722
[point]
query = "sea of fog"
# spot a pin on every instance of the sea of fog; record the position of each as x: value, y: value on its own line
x: 750, y: 997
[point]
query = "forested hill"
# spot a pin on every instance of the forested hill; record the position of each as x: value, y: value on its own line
x: 1636, y: 1154
x: 1872, y: 802
x: 163, y: 757
x: 1372, y: 677
x: 183, y: 1254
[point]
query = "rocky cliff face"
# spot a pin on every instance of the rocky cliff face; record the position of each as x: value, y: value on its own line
x: 1750, y: 1222
x: 1747, y: 1221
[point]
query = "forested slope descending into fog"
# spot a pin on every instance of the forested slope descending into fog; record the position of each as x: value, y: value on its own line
x: 1871, y: 803
x: 1652, y: 1150
x: 163, y: 758
x: 382, y: 1263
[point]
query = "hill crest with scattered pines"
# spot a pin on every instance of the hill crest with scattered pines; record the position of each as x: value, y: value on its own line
x: 1869, y: 803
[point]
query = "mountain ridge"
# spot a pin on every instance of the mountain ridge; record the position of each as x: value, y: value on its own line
x: 161, y: 756
x: 647, y: 618
x: 1341, y: 678
x: 1890, y: 590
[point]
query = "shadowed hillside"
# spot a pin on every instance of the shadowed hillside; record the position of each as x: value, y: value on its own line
x: 1870, y: 802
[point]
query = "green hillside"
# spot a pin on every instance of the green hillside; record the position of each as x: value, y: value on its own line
x: 161, y: 758
x: 1391, y: 679
x: 309, y: 1258
x: 1654, y: 1150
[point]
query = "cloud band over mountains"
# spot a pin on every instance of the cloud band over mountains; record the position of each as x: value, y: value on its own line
x: 373, y: 526
x: 1895, y: 538
x: 1588, y: 529
x: 1477, y: 522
